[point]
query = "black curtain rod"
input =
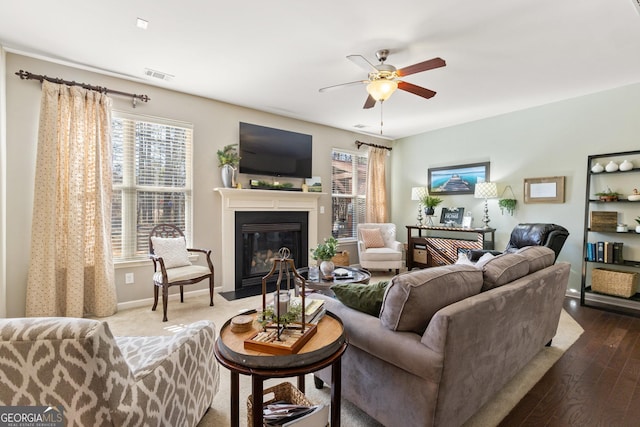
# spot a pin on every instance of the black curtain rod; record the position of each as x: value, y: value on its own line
x: 25, y: 75
x: 359, y: 143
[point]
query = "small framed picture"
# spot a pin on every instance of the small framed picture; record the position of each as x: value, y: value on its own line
x: 544, y: 190
x: 466, y: 221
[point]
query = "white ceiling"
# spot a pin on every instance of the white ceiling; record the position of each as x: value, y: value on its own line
x: 502, y: 55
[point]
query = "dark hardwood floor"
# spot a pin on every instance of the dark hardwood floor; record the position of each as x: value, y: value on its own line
x: 595, y: 383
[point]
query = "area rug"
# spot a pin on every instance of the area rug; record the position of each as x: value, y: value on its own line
x: 144, y: 322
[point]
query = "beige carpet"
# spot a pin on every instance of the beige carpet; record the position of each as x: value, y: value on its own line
x: 142, y: 322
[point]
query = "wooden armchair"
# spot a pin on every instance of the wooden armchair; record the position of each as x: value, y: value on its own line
x: 170, y: 255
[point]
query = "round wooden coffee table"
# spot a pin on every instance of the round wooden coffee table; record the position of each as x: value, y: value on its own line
x: 325, y: 348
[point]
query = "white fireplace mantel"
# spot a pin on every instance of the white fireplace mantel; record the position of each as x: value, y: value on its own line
x: 234, y: 200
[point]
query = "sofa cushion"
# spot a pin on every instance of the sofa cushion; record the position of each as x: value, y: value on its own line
x: 413, y: 298
x: 503, y: 269
x: 366, y: 298
x: 372, y: 237
x: 539, y: 257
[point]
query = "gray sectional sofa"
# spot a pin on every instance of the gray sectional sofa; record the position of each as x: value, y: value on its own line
x: 448, y: 338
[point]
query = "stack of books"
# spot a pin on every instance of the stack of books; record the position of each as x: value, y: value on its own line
x: 314, y: 309
x: 606, y: 252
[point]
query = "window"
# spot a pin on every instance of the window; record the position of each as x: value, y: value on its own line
x: 151, y: 181
x: 348, y: 190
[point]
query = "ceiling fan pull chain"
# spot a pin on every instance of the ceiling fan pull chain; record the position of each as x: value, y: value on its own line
x: 381, y: 121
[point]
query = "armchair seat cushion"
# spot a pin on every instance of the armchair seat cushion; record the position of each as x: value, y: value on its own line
x: 380, y: 254
x: 181, y: 273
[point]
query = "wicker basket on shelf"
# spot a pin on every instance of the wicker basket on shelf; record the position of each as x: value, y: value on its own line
x: 282, y: 392
x: 612, y: 282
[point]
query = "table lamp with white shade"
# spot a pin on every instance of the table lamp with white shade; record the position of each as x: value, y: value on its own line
x: 417, y: 193
x: 486, y: 191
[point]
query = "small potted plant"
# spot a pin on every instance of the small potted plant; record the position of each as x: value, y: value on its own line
x: 228, y: 160
x: 324, y: 252
x: 429, y: 203
x: 608, y: 195
x: 637, y: 226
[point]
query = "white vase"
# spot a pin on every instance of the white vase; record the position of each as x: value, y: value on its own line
x: 227, y: 172
x: 626, y: 166
x: 327, y: 267
x: 597, y: 168
x: 611, y: 166
x: 638, y: 229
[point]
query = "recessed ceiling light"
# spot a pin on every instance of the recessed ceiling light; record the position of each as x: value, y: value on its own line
x: 141, y: 23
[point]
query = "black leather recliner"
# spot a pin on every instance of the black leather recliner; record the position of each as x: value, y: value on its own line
x: 550, y: 235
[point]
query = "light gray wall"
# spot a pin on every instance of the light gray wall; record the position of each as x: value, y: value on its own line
x: 215, y: 125
x: 551, y: 140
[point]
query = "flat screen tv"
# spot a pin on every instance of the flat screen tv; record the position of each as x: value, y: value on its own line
x: 274, y: 152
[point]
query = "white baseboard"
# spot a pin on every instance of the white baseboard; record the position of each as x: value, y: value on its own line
x: 149, y: 301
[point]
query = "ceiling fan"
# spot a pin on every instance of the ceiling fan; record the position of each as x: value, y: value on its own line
x: 384, y: 78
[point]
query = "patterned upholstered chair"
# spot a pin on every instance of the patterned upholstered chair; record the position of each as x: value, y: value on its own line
x: 378, y: 248
x: 99, y: 380
x: 171, y: 266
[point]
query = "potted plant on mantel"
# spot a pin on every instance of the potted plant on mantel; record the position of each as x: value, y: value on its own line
x: 429, y: 203
x: 324, y: 252
x: 228, y: 160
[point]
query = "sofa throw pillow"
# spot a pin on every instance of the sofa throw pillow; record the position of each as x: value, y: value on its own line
x: 362, y: 297
x: 464, y: 259
x: 172, y: 250
x: 503, y: 269
x: 372, y: 237
x: 412, y: 298
x: 484, y: 259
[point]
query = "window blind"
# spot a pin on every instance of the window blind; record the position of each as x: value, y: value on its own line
x: 348, y: 191
x: 152, y: 181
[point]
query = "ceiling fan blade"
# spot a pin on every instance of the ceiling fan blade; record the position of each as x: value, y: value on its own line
x: 329, y: 88
x: 416, y: 90
x: 370, y: 102
x: 363, y: 63
x: 421, y: 66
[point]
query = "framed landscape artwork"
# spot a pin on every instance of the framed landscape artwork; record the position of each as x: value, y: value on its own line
x: 460, y: 179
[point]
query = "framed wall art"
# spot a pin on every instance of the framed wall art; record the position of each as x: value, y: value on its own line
x: 544, y: 190
x: 460, y: 179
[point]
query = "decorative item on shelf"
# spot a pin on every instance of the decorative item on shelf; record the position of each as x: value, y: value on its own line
x: 608, y: 195
x: 625, y: 166
x: 417, y: 193
x: 486, y: 191
x: 284, y: 331
x: 597, y: 168
x: 324, y: 252
x: 637, y: 226
x: 611, y: 166
x: 507, y: 204
x: 430, y: 203
x: 228, y: 159
x: 635, y: 196
x: 622, y: 228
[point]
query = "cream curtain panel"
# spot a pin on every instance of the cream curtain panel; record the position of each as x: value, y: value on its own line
x: 71, y: 269
x: 376, y: 205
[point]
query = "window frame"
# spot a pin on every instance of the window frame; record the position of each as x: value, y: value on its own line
x: 129, y: 190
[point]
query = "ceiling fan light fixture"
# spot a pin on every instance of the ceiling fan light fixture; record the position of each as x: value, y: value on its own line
x: 381, y: 89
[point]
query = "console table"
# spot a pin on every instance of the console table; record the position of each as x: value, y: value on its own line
x: 429, y: 246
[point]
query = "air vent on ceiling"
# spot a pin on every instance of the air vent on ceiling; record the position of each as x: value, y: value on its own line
x: 158, y: 74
